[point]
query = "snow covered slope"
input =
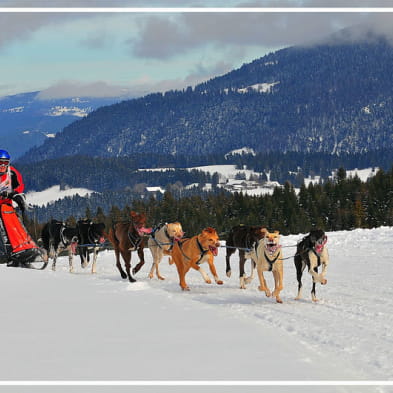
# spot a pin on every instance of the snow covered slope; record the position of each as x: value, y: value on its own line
x: 63, y: 326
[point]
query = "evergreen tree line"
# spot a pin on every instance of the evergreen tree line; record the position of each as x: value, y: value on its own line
x: 340, y: 204
x: 110, y: 174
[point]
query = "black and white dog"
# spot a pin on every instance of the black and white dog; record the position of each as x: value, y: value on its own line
x: 91, y: 236
x: 312, y: 252
x: 56, y: 237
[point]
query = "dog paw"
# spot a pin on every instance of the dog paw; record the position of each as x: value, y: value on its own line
x: 228, y: 273
x: 208, y: 281
x: 219, y: 282
x: 278, y: 300
x: 185, y: 289
x: 161, y: 278
x: 263, y: 289
x: 324, y: 281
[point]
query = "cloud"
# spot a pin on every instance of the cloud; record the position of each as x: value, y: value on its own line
x: 185, y: 32
x: 137, y: 88
x: 65, y: 89
x: 162, y: 36
x: 20, y: 26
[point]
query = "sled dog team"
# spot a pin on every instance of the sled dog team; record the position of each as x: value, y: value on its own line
x: 256, y: 243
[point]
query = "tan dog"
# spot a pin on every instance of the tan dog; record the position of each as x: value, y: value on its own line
x: 190, y: 253
x: 161, y: 243
x: 268, y: 257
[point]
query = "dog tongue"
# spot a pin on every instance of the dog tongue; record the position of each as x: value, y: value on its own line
x: 145, y: 230
x: 214, y: 250
x: 73, y: 247
x: 319, y: 248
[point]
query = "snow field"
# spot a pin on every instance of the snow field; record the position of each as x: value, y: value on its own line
x: 62, y: 326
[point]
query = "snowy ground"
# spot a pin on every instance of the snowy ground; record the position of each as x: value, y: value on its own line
x: 57, y: 326
x: 52, y: 194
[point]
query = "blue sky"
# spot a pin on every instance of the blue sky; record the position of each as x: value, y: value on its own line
x: 112, y: 54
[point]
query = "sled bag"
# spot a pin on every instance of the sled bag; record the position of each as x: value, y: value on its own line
x: 19, y: 239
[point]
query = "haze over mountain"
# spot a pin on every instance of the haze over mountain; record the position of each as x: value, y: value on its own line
x: 28, y: 119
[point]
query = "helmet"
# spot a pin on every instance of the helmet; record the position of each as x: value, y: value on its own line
x: 4, y: 161
x: 4, y: 155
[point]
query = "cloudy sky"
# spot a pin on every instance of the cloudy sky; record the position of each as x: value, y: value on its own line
x: 133, y: 53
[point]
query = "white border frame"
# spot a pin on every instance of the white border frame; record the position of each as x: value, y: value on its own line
x: 212, y: 383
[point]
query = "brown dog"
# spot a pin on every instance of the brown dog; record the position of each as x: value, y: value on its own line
x: 194, y: 251
x: 161, y: 242
x: 268, y: 257
x: 127, y: 237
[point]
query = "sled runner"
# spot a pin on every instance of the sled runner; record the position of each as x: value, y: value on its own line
x: 17, y: 248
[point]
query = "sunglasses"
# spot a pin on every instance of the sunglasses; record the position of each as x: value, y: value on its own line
x: 4, y: 162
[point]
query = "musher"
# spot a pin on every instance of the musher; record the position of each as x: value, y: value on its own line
x: 11, y: 182
x: 11, y: 189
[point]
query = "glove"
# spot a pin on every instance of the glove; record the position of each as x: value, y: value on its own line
x: 7, y: 194
x: 20, y: 200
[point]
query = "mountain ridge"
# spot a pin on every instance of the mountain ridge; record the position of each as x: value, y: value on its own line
x: 326, y: 98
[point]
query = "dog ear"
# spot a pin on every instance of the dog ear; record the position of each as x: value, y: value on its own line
x: 263, y: 231
x: 276, y: 232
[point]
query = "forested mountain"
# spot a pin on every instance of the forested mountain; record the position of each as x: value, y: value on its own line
x: 324, y: 98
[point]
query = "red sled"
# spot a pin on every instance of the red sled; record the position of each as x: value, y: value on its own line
x: 21, y: 249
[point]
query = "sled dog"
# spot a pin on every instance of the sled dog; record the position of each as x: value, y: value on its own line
x: 161, y: 242
x: 190, y: 253
x: 312, y: 252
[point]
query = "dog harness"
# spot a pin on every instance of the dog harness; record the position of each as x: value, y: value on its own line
x: 271, y: 261
x: 62, y: 238
x: 134, y: 239
x: 201, y: 249
x: 152, y: 234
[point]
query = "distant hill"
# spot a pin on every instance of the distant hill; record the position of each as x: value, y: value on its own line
x: 27, y: 121
x: 324, y: 98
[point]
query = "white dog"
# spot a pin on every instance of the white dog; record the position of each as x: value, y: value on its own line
x: 268, y: 257
x: 161, y: 242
